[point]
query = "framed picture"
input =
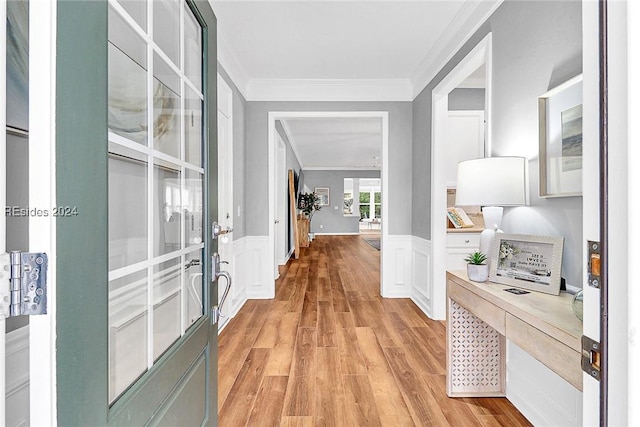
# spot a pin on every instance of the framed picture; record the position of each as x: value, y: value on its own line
x: 323, y: 195
x: 525, y: 261
x: 560, y: 118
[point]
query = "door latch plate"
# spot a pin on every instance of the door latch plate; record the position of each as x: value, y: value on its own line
x: 594, y: 264
x: 591, y: 357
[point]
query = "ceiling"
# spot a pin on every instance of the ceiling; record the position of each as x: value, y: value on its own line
x: 315, y: 50
x: 336, y: 143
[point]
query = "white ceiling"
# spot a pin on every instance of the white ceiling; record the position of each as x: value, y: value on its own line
x: 317, y: 50
x: 336, y: 143
x: 341, y: 50
x: 333, y: 40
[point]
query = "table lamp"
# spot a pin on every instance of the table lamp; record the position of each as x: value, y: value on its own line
x: 491, y: 182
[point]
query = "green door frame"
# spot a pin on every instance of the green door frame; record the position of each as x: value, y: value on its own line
x: 81, y: 266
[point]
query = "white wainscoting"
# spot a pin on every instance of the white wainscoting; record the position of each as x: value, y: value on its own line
x: 17, y: 377
x: 252, y: 275
x: 396, y: 266
x: 421, y: 290
x: 258, y: 268
x: 542, y: 396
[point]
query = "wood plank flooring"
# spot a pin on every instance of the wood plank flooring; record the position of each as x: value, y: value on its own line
x: 329, y: 351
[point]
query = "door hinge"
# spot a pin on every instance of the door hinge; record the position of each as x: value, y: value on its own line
x: 23, y: 283
x: 591, y: 357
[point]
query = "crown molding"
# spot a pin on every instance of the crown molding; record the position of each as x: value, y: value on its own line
x: 231, y: 65
x: 470, y: 17
x: 329, y: 90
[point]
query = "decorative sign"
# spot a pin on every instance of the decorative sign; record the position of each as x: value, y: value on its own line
x: 525, y: 261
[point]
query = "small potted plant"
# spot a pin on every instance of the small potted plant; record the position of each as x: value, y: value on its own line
x: 477, y: 269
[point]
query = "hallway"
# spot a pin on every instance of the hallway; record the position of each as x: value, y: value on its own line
x: 329, y: 351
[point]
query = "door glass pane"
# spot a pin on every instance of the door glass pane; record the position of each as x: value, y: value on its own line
x: 167, y: 210
x: 166, y: 24
x: 166, y: 109
x: 127, y: 211
x: 193, y: 208
x: 192, y: 49
x: 155, y: 200
x: 137, y: 9
x: 193, y: 127
x: 127, y: 81
x: 127, y: 331
x: 166, y: 307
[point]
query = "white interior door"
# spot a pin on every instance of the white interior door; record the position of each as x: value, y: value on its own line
x: 225, y: 182
x: 281, y: 205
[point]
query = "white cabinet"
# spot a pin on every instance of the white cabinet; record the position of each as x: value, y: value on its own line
x: 459, y: 245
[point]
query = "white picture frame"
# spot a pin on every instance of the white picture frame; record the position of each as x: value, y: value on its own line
x: 527, y: 261
x: 560, y: 140
x: 323, y: 195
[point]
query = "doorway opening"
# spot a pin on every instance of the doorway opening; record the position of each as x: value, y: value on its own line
x: 335, y: 200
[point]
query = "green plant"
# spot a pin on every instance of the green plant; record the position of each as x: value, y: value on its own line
x: 309, y: 203
x: 476, y: 258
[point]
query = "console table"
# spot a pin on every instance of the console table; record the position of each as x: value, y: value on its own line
x: 481, y: 316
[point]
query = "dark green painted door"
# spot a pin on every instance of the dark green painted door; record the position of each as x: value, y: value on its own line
x: 136, y: 156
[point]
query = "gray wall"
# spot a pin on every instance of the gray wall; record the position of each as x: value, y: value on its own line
x: 464, y: 99
x: 536, y: 46
x: 333, y: 220
x: 400, y: 123
x: 239, y: 149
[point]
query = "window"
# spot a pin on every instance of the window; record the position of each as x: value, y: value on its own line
x: 155, y: 183
x: 365, y: 205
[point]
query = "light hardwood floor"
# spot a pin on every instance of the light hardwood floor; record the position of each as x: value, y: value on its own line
x: 329, y: 351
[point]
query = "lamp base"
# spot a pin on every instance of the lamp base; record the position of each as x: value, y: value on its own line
x: 492, y: 220
x: 486, y: 239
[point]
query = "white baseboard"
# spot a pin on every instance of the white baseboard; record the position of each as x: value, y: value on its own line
x: 396, y: 271
x: 542, y: 396
x: 335, y: 234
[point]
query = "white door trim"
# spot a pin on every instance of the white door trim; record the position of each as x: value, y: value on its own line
x: 481, y: 54
x: 3, y: 185
x: 633, y: 16
x: 225, y: 182
x: 385, y: 287
x: 42, y: 194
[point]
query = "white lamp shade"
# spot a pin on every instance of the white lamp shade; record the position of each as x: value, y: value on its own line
x: 491, y: 181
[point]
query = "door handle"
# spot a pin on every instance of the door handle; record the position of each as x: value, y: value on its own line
x: 216, y: 274
x: 218, y: 230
